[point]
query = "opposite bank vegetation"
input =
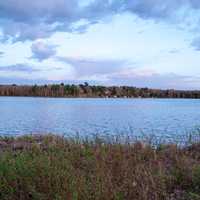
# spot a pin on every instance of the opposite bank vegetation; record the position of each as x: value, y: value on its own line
x: 57, y: 168
x: 86, y: 90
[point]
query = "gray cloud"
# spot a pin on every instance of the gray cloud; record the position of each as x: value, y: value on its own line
x: 37, y: 10
x: 159, y: 9
x: 22, y: 19
x: 42, y: 51
x: 20, y: 31
x: 25, y: 20
x: 174, y: 51
x: 91, y: 67
x: 194, y: 3
x: 19, y: 68
x: 156, y: 80
x: 119, y: 72
x: 1, y: 53
x: 155, y: 9
x: 196, y: 44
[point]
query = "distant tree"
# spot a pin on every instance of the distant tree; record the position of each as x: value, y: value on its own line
x: 86, y: 84
x: 34, y: 89
x: 85, y: 90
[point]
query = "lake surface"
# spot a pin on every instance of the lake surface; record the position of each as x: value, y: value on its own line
x: 22, y: 115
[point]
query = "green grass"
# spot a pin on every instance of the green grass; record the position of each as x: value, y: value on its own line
x: 54, y: 168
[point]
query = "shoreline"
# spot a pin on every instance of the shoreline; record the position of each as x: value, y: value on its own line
x: 105, y: 98
x: 54, y: 167
x: 94, y: 91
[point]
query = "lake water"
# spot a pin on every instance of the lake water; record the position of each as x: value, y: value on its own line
x: 22, y: 115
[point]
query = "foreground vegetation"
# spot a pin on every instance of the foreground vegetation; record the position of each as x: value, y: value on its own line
x: 55, y: 168
x: 86, y: 90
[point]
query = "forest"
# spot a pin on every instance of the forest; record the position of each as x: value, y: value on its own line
x: 86, y: 90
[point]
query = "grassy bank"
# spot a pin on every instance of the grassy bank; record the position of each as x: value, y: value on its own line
x: 54, y: 168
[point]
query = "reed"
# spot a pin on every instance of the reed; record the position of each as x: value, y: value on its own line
x: 62, y: 168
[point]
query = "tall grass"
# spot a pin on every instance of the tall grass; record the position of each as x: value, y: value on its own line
x: 57, y: 168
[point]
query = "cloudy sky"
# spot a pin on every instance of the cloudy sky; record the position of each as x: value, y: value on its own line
x: 144, y: 43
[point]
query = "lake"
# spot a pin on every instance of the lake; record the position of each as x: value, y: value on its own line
x: 22, y: 115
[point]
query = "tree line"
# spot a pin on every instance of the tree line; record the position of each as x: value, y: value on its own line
x: 86, y: 90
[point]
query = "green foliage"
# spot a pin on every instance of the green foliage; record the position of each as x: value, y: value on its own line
x: 34, y: 88
x: 193, y: 196
x: 51, y: 167
x: 87, y: 90
x: 55, y: 87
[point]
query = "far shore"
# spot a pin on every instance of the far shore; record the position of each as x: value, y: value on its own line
x: 94, y: 91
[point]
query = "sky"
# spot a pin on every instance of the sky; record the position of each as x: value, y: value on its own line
x: 142, y: 43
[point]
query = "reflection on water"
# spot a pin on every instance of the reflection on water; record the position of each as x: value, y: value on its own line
x: 21, y: 115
